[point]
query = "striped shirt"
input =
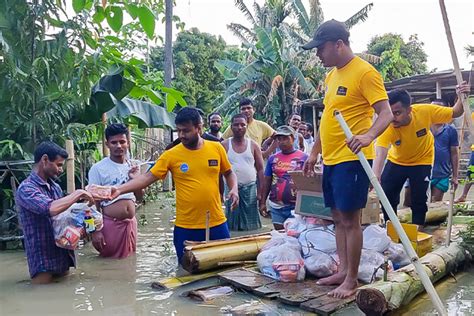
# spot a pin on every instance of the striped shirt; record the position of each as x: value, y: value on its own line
x: 34, y: 198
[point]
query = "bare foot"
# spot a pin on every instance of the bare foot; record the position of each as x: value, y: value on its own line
x: 460, y: 199
x: 346, y: 289
x: 334, y: 279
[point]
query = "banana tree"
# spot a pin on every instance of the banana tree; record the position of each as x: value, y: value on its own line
x: 271, y: 78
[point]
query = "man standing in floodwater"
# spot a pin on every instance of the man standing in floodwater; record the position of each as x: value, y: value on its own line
x: 356, y: 89
x: 118, y: 238
x: 196, y: 165
x: 246, y: 159
x: 39, y: 198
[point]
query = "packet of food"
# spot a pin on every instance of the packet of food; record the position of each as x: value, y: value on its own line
x: 99, y: 192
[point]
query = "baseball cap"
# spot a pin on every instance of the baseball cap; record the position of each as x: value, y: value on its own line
x: 284, y: 130
x: 331, y: 30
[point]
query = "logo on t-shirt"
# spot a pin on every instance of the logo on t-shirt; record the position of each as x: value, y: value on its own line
x: 398, y: 142
x: 341, y: 90
x: 421, y: 132
x: 184, y: 167
x: 213, y: 162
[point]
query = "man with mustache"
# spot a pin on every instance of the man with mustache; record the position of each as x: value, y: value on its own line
x: 38, y: 199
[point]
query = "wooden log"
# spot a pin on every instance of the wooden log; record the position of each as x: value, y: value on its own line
x: 71, y: 185
x: 204, y: 257
x: 437, y: 212
x: 403, y: 285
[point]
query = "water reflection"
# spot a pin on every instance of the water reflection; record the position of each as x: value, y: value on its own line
x: 122, y: 287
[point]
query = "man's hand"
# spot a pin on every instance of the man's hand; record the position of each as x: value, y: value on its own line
x: 115, y: 193
x: 308, y: 167
x: 98, y: 240
x: 357, y: 142
x: 134, y: 172
x: 464, y: 87
x: 263, y: 210
x: 454, y: 183
x: 233, y: 196
x: 84, y: 195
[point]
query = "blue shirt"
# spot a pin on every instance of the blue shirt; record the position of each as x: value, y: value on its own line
x: 444, y: 140
x: 34, y: 198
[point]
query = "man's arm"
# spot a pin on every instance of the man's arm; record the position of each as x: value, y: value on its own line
x: 380, y: 157
x: 266, y: 185
x: 301, y: 141
x: 455, y: 164
x: 60, y: 205
x: 138, y: 183
x: 271, y: 148
x: 458, y: 109
x: 384, y: 118
x: 308, y: 167
x: 257, y: 154
x: 231, y: 181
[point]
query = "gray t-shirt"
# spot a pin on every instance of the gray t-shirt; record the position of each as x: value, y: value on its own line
x: 107, y: 172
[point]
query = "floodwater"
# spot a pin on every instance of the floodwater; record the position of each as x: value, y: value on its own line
x: 122, y: 287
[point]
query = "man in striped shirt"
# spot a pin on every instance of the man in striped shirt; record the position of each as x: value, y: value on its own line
x: 39, y: 198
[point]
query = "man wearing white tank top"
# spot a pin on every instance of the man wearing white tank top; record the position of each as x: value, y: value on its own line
x: 246, y: 159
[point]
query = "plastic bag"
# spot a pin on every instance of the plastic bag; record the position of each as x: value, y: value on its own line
x: 396, y: 253
x: 375, y: 238
x: 321, y: 264
x: 281, y: 259
x: 294, y: 225
x: 370, y: 260
x: 68, y: 226
x: 321, y: 238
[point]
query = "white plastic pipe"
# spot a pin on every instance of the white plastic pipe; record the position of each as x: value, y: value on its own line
x: 425, y: 280
x: 450, y: 216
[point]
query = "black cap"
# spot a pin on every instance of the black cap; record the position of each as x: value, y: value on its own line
x: 331, y: 30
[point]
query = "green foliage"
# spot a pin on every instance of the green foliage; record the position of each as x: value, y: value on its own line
x: 194, y: 55
x: 399, y: 58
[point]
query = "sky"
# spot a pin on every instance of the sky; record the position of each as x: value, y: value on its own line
x: 405, y: 17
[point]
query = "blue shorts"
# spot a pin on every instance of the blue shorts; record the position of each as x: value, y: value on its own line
x: 441, y: 184
x: 470, y: 168
x: 280, y: 215
x: 180, y: 235
x: 345, y: 186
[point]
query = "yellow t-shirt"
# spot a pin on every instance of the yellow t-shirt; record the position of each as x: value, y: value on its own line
x: 196, y: 176
x: 257, y: 131
x: 352, y: 90
x: 413, y: 145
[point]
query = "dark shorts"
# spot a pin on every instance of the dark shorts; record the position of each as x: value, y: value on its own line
x: 345, y: 186
x: 180, y: 235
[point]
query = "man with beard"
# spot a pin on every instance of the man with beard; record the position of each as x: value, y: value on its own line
x: 195, y: 165
x: 118, y: 238
x: 215, y: 124
x: 39, y: 198
x: 246, y: 159
x: 410, y: 148
x: 356, y: 89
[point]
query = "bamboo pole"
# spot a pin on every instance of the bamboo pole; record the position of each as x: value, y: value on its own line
x: 71, y: 186
x: 208, y: 216
x: 425, y: 280
x: 105, y: 149
x: 457, y: 70
x: 452, y: 192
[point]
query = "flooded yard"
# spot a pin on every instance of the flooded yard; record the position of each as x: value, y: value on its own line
x: 122, y: 287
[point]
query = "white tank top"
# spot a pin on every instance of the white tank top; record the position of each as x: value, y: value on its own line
x: 243, y: 164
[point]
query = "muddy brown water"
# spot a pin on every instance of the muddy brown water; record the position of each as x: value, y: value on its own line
x: 122, y: 287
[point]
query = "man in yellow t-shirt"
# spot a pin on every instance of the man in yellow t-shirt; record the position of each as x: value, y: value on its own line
x: 411, y: 153
x: 356, y: 89
x: 196, y: 165
x: 257, y: 130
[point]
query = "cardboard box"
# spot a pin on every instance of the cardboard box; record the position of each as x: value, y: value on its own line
x: 421, y: 242
x: 310, y: 200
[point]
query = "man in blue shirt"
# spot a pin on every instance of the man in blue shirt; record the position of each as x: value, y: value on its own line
x: 446, y: 158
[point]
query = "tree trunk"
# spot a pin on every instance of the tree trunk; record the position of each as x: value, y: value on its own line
x: 437, y: 212
x: 403, y: 285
